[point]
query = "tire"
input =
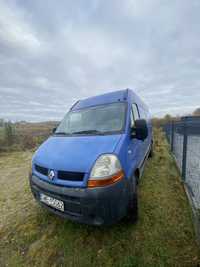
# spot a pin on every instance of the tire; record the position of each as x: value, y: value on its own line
x: 151, y: 151
x: 133, y: 207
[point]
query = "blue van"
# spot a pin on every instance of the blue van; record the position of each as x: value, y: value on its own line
x: 88, y: 170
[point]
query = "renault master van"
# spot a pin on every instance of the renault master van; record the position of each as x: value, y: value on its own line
x: 88, y: 170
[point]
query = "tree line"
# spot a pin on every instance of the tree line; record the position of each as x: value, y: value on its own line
x: 168, y: 118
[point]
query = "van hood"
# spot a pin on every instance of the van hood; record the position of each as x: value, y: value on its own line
x: 74, y: 153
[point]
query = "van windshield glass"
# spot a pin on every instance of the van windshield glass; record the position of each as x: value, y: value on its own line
x: 94, y: 120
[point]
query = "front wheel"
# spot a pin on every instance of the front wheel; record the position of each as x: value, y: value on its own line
x: 151, y: 151
x: 133, y: 208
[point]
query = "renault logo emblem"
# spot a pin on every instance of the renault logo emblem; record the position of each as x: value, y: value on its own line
x: 51, y: 175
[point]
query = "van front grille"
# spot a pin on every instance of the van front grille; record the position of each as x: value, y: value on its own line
x: 62, y: 175
x: 70, y: 176
x: 41, y: 170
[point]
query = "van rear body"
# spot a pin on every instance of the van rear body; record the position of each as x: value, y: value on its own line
x: 88, y: 170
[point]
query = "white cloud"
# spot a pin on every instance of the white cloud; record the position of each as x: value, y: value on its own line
x: 14, y: 31
x: 54, y: 53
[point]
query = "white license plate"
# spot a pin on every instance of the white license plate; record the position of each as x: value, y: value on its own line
x: 50, y: 201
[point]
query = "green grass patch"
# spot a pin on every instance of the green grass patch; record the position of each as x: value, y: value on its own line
x: 163, y: 236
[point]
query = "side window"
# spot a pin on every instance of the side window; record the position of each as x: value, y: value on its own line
x: 132, y: 119
x: 143, y: 114
x: 135, y: 114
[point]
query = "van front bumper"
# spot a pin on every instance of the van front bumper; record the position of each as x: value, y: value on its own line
x: 96, y: 206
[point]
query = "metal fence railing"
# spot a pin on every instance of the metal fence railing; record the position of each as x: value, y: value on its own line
x: 184, y: 139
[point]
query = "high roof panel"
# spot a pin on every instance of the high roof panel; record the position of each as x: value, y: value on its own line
x: 102, y: 99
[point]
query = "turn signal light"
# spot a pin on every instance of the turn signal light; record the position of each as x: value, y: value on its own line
x: 103, y: 182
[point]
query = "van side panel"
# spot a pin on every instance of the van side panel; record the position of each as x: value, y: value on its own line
x: 129, y: 149
x: 132, y: 151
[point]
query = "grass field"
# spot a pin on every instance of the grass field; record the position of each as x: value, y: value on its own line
x: 163, y: 236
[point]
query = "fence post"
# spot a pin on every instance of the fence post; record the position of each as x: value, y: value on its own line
x: 184, y: 158
x: 172, y: 136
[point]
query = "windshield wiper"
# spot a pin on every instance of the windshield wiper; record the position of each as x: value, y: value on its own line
x: 80, y: 132
x: 88, y: 132
x: 61, y: 133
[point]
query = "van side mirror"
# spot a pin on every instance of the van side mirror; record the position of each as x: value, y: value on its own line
x: 53, y: 130
x: 140, y: 131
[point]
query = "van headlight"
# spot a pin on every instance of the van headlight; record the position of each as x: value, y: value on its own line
x: 106, y: 170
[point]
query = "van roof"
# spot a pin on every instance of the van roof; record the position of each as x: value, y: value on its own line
x: 120, y: 95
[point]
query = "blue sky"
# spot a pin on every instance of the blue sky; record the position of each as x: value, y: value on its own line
x: 53, y: 53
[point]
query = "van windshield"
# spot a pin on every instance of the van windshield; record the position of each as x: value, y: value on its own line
x: 103, y: 119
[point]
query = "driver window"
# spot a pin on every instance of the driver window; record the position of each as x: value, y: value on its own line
x: 132, y: 119
x: 134, y: 114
